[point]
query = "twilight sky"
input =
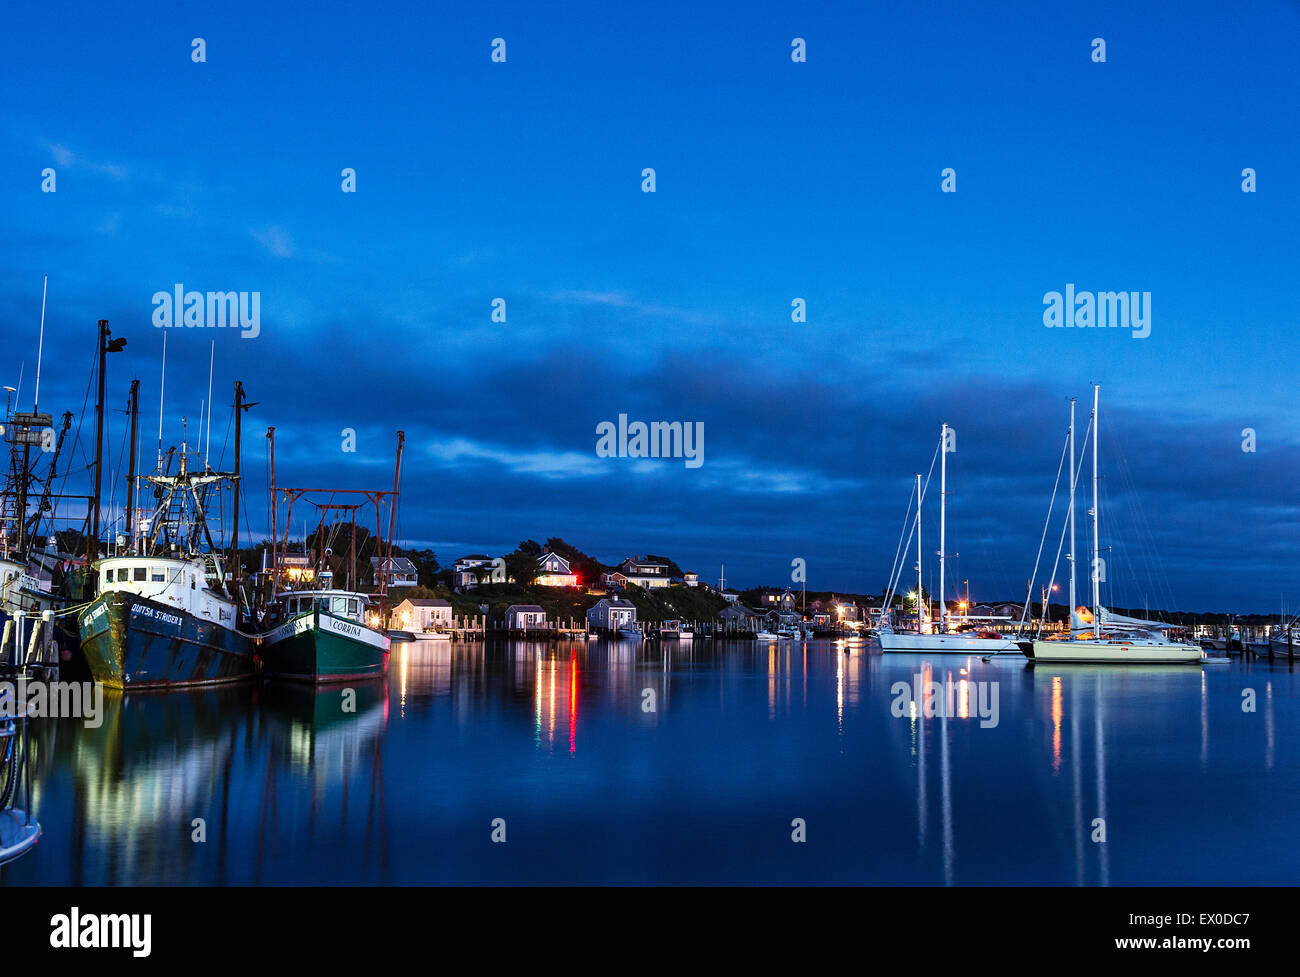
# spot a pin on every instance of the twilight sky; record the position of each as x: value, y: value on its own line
x: 775, y: 180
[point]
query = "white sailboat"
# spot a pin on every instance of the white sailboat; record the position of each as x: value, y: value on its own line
x: 973, y: 636
x: 1100, y: 636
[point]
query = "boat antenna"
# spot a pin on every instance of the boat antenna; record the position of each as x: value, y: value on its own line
x: 162, y: 384
x: 1096, y: 515
x: 207, y: 450
x: 40, y: 346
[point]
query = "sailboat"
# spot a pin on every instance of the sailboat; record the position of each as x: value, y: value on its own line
x: 1098, y: 636
x: 973, y: 636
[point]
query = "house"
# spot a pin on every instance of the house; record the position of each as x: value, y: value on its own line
x: 782, y: 619
x: 470, y: 570
x: 422, y: 614
x: 786, y: 599
x: 739, y: 615
x: 691, y: 578
x: 644, y: 573
x: 613, y: 581
x: 401, y: 571
x: 553, y: 571
x: 821, y: 619
x: 731, y: 596
x: 611, y: 613
x: 525, y: 617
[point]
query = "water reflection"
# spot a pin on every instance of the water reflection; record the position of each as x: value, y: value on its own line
x: 673, y: 761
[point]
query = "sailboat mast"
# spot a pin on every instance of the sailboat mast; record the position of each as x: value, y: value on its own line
x: 1096, y: 514
x: 943, y: 523
x: 1070, y: 618
x: 920, y: 617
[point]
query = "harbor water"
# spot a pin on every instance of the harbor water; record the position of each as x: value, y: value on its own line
x: 682, y: 762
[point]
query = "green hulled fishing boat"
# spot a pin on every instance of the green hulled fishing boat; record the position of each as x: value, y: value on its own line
x: 323, y: 637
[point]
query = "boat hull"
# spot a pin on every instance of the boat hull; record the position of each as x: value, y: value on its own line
x: 944, y: 644
x: 131, y: 643
x: 319, y: 648
x: 1112, y: 653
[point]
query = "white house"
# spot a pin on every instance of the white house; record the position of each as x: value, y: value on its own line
x: 422, y: 614
x: 401, y: 572
x: 691, y: 578
x: 553, y: 571
x: 470, y: 569
x: 611, y: 614
x: 645, y: 573
x: 525, y: 617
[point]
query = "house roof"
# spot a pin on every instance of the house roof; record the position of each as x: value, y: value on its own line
x: 474, y: 556
x: 552, y: 555
x: 427, y: 602
x: 614, y: 602
x: 398, y: 563
x: 530, y: 608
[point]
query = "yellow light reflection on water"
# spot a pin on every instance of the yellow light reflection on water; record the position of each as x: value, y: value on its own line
x: 1057, y: 713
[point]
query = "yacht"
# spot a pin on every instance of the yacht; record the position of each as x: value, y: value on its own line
x: 968, y: 638
x: 1098, y: 636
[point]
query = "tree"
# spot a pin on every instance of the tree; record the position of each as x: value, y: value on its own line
x: 522, y: 564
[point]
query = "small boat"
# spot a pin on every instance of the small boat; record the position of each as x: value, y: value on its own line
x: 633, y: 633
x: 766, y: 636
x: 673, y: 630
x: 19, y: 831
x: 323, y: 637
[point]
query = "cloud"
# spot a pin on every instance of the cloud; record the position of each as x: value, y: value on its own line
x: 276, y: 240
x: 65, y: 158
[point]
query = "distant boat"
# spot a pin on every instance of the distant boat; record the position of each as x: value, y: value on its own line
x: 633, y: 633
x: 675, y: 631
x: 766, y: 636
x: 969, y: 640
x: 1099, y: 636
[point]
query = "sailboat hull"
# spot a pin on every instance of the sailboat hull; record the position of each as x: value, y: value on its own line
x: 1112, y: 652
x: 945, y: 644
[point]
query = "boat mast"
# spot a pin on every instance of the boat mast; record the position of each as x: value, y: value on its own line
x: 1070, y: 618
x: 1096, y: 515
x: 943, y: 523
x: 130, y: 476
x: 920, y: 617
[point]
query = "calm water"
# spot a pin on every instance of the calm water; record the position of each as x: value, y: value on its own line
x: 744, y: 739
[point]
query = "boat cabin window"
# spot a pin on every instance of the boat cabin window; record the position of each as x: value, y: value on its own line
x: 157, y: 576
x: 108, y: 576
x: 122, y: 574
x: 339, y: 606
x: 141, y: 573
x: 354, y: 608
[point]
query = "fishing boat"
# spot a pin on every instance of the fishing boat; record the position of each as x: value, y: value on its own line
x: 321, y: 634
x: 1098, y: 636
x: 166, y: 612
x: 971, y: 637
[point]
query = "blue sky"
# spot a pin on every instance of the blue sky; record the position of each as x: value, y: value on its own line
x: 775, y: 180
